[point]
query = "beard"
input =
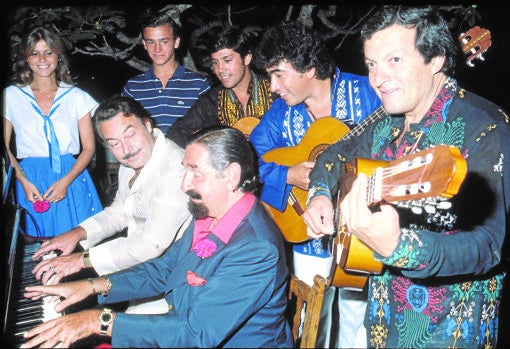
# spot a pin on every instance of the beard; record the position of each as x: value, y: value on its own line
x: 197, y: 210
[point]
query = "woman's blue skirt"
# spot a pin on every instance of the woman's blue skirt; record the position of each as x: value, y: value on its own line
x: 81, y: 201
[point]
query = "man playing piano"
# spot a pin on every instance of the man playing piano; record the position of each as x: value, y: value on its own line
x: 148, y: 202
x: 226, y: 289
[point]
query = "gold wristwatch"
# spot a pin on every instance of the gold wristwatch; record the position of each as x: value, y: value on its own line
x: 106, y: 318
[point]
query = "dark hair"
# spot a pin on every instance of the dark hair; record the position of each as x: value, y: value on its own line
x: 231, y: 38
x: 153, y: 17
x: 227, y: 145
x: 112, y: 106
x: 23, y: 75
x: 433, y: 37
x: 298, y: 45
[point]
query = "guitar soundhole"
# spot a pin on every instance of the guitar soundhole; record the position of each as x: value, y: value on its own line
x: 314, y: 154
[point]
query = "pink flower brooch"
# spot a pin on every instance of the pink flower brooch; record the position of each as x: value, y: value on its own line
x: 41, y: 206
x: 205, y: 248
x: 193, y: 279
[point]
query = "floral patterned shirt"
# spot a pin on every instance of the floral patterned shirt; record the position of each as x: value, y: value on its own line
x: 441, y: 286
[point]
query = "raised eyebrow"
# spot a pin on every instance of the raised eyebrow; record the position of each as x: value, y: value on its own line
x: 127, y: 128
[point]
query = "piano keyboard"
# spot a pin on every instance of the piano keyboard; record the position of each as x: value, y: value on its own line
x: 25, y: 314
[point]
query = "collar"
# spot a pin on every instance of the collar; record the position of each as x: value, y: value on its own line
x: 179, y: 72
x: 225, y: 227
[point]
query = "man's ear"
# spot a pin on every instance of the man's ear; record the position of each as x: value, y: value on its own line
x: 437, y: 63
x: 148, y: 125
x: 310, y: 73
x: 247, y: 59
x: 177, y: 42
x: 233, y: 175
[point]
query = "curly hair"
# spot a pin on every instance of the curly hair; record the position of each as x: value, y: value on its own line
x: 23, y: 75
x: 433, y: 37
x: 297, y: 44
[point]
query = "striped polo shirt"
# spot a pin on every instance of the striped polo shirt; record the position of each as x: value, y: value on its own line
x: 170, y: 103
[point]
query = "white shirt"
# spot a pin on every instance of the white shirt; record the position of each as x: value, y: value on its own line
x: 153, y: 210
x: 21, y: 109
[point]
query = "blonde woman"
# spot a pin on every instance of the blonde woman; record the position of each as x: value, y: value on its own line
x: 54, y: 137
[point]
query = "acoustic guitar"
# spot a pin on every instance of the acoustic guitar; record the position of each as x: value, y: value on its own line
x: 321, y: 134
x: 246, y: 125
x: 423, y: 180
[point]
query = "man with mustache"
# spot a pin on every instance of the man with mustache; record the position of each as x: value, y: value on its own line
x: 148, y: 204
x: 224, y: 280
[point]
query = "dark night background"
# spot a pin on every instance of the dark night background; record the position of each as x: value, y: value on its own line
x: 490, y: 78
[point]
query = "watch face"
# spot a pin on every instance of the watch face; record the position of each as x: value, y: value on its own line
x: 106, y: 318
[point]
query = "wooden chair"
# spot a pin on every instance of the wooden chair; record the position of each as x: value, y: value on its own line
x: 300, y: 293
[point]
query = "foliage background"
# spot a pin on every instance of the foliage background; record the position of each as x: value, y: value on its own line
x: 103, y: 37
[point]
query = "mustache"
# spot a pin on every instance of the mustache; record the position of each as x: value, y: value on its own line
x: 130, y: 155
x: 193, y: 194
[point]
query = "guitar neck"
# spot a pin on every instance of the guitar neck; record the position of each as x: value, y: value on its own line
x: 377, y: 114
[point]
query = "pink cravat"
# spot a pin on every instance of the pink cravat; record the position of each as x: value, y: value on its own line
x: 199, y: 235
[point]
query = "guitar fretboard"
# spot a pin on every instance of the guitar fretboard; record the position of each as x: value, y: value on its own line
x: 377, y: 114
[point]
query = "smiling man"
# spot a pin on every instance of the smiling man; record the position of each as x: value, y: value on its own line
x: 242, y: 92
x: 310, y: 86
x: 167, y: 89
x: 444, y: 269
x: 148, y: 202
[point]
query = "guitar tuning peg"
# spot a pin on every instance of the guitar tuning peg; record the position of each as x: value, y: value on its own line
x: 416, y: 210
x: 430, y: 209
x: 444, y: 205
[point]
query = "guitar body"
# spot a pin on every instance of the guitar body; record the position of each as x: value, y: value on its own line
x: 322, y: 133
x: 355, y: 260
x: 246, y: 125
x: 436, y: 172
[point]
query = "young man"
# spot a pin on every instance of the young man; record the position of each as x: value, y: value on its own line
x: 303, y: 73
x: 441, y: 285
x: 242, y: 92
x: 167, y: 90
x: 225, y: 280
x: 148, y: 203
